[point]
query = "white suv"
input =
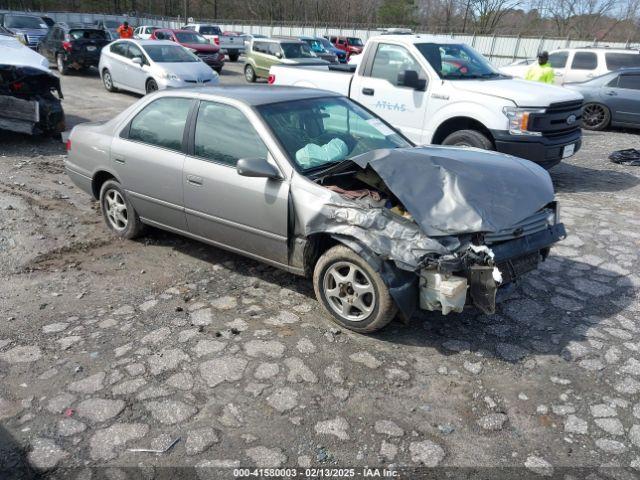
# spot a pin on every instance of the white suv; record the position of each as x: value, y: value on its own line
x: 581, y: 64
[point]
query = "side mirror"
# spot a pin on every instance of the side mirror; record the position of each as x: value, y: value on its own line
x: 137, y: 61
x: 257, y: 167
x: 410, y: 79
x: 279, y: 54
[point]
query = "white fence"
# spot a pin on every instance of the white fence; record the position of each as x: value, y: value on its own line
x: 500, y: 50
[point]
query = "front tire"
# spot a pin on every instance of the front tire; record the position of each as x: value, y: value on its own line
x: 118, y: 212
x: 151, y: 86
x: 63, y: 69
x: 107, y: 81
x: 595, y: 116
x: 351, y: 291
x: 249, y: 74
x: 469, y: 138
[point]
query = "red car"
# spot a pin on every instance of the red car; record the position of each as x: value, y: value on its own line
x: 351, y: 45
x: 205, y: 50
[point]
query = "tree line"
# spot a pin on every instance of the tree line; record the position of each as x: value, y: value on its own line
x: 602, y: 20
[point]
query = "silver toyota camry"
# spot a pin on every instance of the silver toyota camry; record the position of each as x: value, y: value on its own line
x: 313, y: 183
x: 144, y: 66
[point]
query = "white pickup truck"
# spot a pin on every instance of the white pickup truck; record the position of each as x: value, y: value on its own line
x: 444, y: 92
x: 230, y: 43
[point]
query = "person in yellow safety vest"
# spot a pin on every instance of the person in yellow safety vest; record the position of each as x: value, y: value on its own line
x: 541, y: 71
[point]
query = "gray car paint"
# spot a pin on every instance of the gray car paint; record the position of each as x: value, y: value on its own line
x: 268, y: 219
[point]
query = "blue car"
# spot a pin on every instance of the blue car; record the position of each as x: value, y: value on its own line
x: 29, y: 28
x: 341, y: 54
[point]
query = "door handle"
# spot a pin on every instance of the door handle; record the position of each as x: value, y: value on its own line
x: 119, y: 160
x: 194, y: 180
x: 368, y: 91
x: 611, y: 93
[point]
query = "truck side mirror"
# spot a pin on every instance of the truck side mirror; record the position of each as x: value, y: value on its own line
x: 279, y: 54
x: 410, y: 79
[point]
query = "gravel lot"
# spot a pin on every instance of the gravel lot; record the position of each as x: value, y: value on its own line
x: 108, y: 345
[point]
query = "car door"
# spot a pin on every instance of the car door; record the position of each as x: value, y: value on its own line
x: 558, y: 61
x: 136, y: 74
x: 148, y: 157
x: 624, y: 99
x: 117, y: 63
x: 377, y: 88
x: 244, y: 214
x: 582, y: 67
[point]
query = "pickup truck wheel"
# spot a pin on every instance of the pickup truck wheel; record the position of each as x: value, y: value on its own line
x: 63, y: 69
x: 249, y: 74
x: 234, y: 57
x: 351, y: 291
x: 107, y: 81
x: 119, y: 215
x: 469, y: 138
x: 595, y: 116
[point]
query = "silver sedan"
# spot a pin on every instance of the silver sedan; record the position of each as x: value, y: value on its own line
x: 144, y: 66
x: 311, y: 182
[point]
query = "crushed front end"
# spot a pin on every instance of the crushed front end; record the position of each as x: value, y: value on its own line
x: 27, y: 101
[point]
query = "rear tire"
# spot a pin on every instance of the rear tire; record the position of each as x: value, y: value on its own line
x: 107, y: 81
x: 351, y: 291
x: 218, y: 70
x: 469, y: 138
x: 249, y: 74
x: 117, y: 211
x: 595, y: 116
x: 151, y: 86
x: 63, y: 69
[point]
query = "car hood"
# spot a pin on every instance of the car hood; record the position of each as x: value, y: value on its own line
x: 30, y: 31
x: 15, y: 53
x: 188, y: 70
x: 453, y: 191
x: 523, y: 93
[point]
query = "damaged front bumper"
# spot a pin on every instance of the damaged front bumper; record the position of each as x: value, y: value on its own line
x: 27, y: 103
x: 478, y: 283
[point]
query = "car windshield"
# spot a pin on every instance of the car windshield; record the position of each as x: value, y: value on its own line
x: 190, y: 37
x: 326, y: 43
x: 88, y: 34
x: 18, y: 21
x: 354, y: 41
x: 169, y: 54
x: 456, y: 61
x: 296, y: 50
x: 210, y: 30
x: 316, y: 46
x: 317, y: 133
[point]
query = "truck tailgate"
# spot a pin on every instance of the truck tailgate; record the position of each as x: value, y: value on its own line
x: 312, y: 76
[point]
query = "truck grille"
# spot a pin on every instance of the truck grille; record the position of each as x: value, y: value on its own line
x: 34, y: 39
x: 535, y: 223
x: 559, y: 119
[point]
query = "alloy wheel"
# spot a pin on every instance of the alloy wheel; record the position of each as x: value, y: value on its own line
x: 108, y: 82
x: 116, y: 210
x: 349, y: 291
x: 593, y: 115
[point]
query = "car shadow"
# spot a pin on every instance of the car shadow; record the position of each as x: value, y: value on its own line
x: 568, y: 178
x: 13, y: 462
x: 557, y: 304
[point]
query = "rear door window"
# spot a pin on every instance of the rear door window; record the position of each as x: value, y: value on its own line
x: 584, y: 61
x: 161, y: 123
x: 558, y: 59
x: 216, y: 125
x: 616, y: 61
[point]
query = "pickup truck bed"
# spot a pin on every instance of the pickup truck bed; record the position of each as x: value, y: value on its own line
x: 338, y: 76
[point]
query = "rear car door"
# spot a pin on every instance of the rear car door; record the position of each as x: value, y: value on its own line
x: 582, y: 67
x: 624, y: 99
x: 377, y: 88
x: 244, y: 214
x: 558, y: 61
x: 117, y: 62
x: 148, y: 156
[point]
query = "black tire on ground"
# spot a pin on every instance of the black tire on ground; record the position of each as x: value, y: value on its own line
x: 249, y: 74
x: 469, y: 138
x: 118, y: 212
x: 351, y: 291
x: 151, y: 86
x: 107, y: 81
x: 218, y: 70
x: 234, y: 57
x: 63, y: 68
x: 595, y: 116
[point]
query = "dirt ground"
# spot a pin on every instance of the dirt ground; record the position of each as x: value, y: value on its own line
x: 109, y: 345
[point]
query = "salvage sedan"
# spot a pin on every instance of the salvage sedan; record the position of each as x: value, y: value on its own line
x: 311, y: 182
x: 144, y: 66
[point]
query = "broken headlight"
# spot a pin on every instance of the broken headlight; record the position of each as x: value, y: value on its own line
x: 519, y: 120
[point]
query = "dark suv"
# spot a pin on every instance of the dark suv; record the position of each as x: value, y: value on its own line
x: 75, y: 46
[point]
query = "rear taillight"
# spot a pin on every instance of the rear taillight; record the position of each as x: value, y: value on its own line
x: 67, y: 46
x: 68, y: 145
x: 272, y: 79
x: 216, y: 40
x: 16, y: 86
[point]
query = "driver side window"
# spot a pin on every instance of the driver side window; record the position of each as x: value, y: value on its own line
x: 391, y: 60
x: 133, y: 51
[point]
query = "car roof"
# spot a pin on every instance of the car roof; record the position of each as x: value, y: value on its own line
x: 146, y: 42
x: 176, y: 30
x: 281, y: 40
x: 632, y: 51
x: 254, y: 95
